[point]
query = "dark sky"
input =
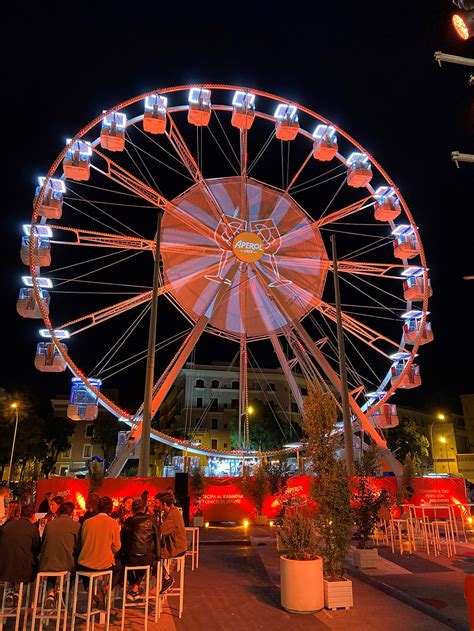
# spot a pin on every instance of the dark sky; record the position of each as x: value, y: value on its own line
x: 369, y: 66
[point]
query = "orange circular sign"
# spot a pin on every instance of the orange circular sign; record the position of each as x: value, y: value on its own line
x: 248, y: 247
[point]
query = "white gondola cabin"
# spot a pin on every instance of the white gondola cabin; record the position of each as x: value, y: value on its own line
x: 385, y: 416
x: 387, y: 206
x: 405, y: 246
x: 112, y: 133
x: 83, y: 404
x: 41, y: 250
x: 77, y: 161
x: 26, y: 304
x: 325, y: 145
x: 51, y: 205
x: 411, y: 378
x: 414, y: 288
x: 48, y: 358
x: 199, y: 110
x: 243, y: 114
x: 287, y: 124
x: 411, y: 331
x: 359, y: 170
x: 154, y: 117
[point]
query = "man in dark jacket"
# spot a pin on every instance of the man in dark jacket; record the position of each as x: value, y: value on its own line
x: 19, y: 548
x: 140, y: 538
x: 59, y: 548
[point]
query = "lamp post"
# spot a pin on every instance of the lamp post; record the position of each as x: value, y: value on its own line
x: 15, y: 407
x: 439, y: 417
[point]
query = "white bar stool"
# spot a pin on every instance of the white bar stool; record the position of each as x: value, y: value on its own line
x: 175, y: 591
x: 62, y: 584
x: 194, y: 551
x: 89, y: 615
x: 126, y: 605
x: 158, y: 585
x: 11, y: 612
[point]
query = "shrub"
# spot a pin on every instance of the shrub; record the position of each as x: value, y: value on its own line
x: 299, y: 537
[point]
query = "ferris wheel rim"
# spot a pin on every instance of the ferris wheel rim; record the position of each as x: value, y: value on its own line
x: 224, y: 87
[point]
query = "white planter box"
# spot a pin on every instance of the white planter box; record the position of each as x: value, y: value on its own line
x: 338, y: 594
x: 198, y: 522
x: 365, y: 559
x: 301, y: 585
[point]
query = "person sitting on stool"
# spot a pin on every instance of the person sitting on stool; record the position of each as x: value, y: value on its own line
x: 173, y: 536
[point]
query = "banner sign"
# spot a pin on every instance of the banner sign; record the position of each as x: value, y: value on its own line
x: 224, y: 498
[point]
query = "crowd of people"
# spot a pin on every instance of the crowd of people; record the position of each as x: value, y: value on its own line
x: 140, y: 532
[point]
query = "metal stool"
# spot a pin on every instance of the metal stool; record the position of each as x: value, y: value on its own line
x: 194, y: 551
x: 13, y: 612
x: 89, y: 615
x: 158, y: 584
x: 125, y: 604
x: 39, y: 598
x: 174, y: 591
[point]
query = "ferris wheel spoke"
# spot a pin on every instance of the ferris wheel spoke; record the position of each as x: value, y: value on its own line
x: 179, y: 144
x: 380, y: 270
x: 361, y: 331
x: 121, y: 176
x: 299, y: 171
x: 345, y: 212
x: 103, y: 239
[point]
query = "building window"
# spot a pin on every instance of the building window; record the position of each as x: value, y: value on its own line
x: 214, y: 406
x: 256, y: 386
x: 87, y: 451
x: 199, y: 383
x: 214, y: 383
x: 294, y: 407
x: 235, y: 385
x: 214, y: 443
x: 234, y: 404
x: 215, y: 424
x: 225, y: 445
x: 304, y: 392
x: 271, y: 386
x: 225, y: 425
x: 199, y: 402
x: 63, y: 471
x: 224, y: 406
x: 89, y: 430
x: 65, y: 455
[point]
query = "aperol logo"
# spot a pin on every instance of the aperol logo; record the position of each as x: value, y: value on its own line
x: 248, y: 247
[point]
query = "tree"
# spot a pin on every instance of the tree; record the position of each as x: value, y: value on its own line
x: 265, y: 434
x: 406, y: 439
x: 331, y: 488
x: 106, y: 429
x: 57, y: 432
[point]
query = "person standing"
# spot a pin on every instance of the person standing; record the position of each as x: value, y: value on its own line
x: 4, y: 494
x: 59, y: 548
x: 140, y: 538
x: 44, y: 506
x: 173, y: 536
x: 19, y: 548
x: 176, y: 501
x: 100, y: 541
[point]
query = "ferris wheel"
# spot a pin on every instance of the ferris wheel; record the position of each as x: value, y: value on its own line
x: 251, y: 186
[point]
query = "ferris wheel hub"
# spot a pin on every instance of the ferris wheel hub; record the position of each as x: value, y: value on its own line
x: 248, y: 247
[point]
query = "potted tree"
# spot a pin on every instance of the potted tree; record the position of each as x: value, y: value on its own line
x: 368, y: 502
x: 256, y: 489
x: 197, y: 486
x: 301, y: 568
x: 331, y: 493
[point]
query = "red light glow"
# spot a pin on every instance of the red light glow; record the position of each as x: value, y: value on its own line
x: 460, y: 26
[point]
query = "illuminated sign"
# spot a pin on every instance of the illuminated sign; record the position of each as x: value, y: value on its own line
x: 248, y: 247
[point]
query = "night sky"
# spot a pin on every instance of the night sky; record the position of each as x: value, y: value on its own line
x: 369, y: 66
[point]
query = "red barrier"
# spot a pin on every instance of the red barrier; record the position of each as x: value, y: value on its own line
x: 225, y: 500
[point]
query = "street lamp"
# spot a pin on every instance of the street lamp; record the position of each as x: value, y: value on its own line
x: 14, y: 406
x: 439, y: 417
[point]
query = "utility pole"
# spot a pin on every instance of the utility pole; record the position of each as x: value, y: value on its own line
x: 144, y: 461
x: 346, y: 411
